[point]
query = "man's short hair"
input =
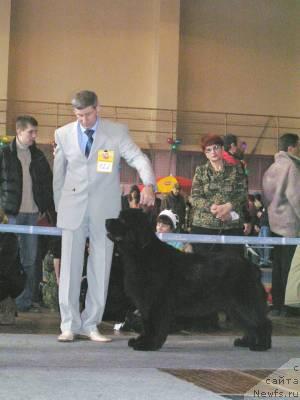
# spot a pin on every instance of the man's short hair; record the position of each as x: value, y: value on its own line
x: 23, y: 121
x: 288, y: 139
x: 84, y: 99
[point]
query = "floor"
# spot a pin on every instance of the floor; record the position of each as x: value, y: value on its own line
x: 191, y: 365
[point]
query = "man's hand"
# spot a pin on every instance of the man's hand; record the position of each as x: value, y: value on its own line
x: 147, y: 196
x: 222, y: 211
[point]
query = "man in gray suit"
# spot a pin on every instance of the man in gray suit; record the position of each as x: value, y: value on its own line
x: 86, y: 192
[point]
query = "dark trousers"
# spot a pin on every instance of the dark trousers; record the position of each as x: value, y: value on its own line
x: 217, y: 247
x: 282, y: 259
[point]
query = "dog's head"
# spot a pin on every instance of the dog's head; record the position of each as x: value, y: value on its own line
x: 131, y: 229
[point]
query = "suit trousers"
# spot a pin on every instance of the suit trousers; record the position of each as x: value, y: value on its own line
x: 98, y: 270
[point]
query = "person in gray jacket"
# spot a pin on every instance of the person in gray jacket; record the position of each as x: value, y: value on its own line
x: 282, y: 195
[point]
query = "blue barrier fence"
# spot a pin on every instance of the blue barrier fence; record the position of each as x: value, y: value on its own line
x: 30, y: 230
x: 166, y: 237
x: 259, y: 241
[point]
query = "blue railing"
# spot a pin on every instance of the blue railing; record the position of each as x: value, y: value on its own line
x: 166, y: 237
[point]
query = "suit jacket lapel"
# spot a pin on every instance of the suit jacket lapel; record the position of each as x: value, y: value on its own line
x: 74, y: 134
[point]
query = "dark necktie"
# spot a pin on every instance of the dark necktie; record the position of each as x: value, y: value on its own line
x: 89, y: 133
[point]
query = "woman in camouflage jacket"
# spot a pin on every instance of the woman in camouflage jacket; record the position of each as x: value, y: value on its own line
x: 219, y: 194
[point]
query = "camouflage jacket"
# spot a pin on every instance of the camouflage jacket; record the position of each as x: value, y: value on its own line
x: 218, y: 187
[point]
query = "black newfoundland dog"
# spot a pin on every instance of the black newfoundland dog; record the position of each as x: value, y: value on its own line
x: 164, y: 282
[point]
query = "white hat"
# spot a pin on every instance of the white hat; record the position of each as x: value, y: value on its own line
x: 173, y: 217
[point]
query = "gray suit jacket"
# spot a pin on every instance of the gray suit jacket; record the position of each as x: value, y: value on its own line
x: 79, y: 187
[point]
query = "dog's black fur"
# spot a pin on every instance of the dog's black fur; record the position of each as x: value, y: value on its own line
x: 164, y: 282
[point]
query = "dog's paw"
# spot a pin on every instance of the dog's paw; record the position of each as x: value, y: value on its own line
x: 252, y: 344
x: 131, y: 342
x: 134, y: 341
x: 241, y: 342
x: 143, y: 344
x: 259, y: 347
